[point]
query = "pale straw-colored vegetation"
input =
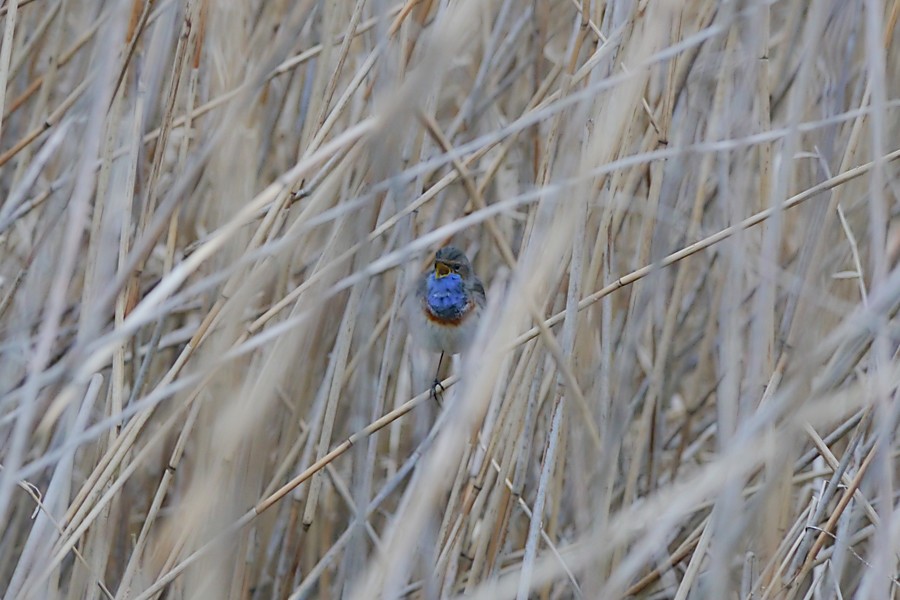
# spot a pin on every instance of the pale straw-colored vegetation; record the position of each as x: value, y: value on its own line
x: 685, y: 214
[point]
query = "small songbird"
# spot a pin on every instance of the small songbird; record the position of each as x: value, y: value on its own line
x: 449, y: 299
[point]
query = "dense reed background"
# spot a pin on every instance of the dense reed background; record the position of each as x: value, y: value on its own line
x: 686, y: 217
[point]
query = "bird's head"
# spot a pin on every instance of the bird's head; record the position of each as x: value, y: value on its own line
x: 451, y: 260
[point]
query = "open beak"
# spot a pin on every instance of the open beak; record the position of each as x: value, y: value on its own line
x: 441, y: 270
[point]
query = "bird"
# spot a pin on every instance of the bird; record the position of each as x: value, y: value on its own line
x: 447, y: 306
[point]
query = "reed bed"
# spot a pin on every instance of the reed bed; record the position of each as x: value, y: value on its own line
x: 684, y: 383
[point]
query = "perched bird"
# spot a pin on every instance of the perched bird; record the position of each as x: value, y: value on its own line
x: 448, y: 301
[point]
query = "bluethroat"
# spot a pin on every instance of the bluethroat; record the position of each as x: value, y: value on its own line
x: 449, y: 299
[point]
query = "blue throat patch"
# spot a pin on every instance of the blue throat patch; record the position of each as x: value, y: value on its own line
x: 447, y: 296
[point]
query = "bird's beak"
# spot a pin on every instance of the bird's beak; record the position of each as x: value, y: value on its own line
x: 441, y: 270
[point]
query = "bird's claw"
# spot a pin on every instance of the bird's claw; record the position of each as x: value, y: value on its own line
x: 437, y: 390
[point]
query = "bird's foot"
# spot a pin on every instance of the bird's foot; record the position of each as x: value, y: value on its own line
x: 437, y: 391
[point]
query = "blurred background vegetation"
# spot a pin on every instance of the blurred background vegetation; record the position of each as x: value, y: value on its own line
x: 685, y: 215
